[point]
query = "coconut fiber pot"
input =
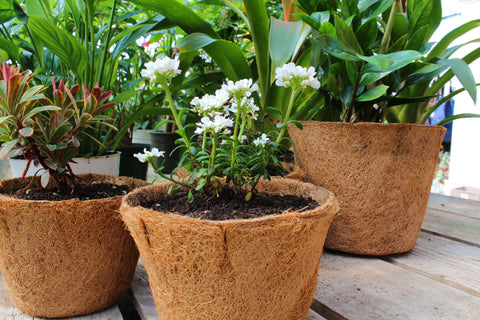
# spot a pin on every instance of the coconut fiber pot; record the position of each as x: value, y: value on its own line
x: 381, y: 175
x: 65, y: 258
x: 263, y: 268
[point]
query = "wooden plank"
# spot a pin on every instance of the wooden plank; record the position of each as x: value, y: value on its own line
x: 143, y: 301
x: 469, y: 208
x: 452, y: 226
x: 312, y: 315
x: 444, y: 260
x: 370, y: 288
x: 142, y: 295
x: 9, y: 312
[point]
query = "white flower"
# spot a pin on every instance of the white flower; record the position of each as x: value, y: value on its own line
x: 290, y: 75
x: 146, y: 155
x: 210, y: 105
x: 161, y: 67
x: 248, y: 105
x: 261, y: 141
x: 243, y: 87
x: 219, y: 123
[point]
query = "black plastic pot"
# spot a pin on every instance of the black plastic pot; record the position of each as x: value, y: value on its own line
x: 129, y: 165
x: 165, y: 141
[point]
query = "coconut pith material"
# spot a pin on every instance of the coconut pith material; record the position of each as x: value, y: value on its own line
x: 263, y: 268
x: 381, y: 175
x: 65, y: 258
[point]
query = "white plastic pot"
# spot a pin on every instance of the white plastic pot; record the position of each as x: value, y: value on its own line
x: 105, y: 164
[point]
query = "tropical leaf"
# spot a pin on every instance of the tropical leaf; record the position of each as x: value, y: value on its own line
x: 283, y: 39
x: 61, y: 43
x: 373, y: 93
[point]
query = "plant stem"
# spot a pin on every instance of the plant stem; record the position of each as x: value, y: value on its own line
x: 287, y: 115
x: 107, y: 42
x: 388, y: 31
x: 168, y: 94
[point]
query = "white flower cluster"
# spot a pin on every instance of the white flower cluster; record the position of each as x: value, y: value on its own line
x: 154, y: 153
x: 290, y: 75
x: 210, y: 105
x: 165, y: 67
x: 249, y: 106
x: 243, y: 87
x: 262, y: 140
x: 218, y: 124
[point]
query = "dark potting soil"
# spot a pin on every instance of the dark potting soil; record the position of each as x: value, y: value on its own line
x: 228, y: 205
x: 81, y: 191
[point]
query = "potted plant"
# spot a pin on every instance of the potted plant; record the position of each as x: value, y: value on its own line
x: 64, y: 250
x: 378, y: 70
x: 234, y: 262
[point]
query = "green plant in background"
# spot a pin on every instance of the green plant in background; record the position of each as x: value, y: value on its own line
x: 48, y: 133
x: 378, y: 62
x: 261, y: 44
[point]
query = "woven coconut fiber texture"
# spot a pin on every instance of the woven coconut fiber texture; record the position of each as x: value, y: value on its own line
x: 381, y: 175
x: 264, y: 268
x: 65, y: 258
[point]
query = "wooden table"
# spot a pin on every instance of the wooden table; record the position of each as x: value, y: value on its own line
x: 438, y: 279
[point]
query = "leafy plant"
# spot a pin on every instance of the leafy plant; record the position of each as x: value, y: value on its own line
x: 266, y: 44
x: 224, y: 144
x: 378, y: 62
x: 48, y: 133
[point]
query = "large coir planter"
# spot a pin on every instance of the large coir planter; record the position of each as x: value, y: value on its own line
x: 65, y: 258
x: 381, y: 175
x: 264, y: 268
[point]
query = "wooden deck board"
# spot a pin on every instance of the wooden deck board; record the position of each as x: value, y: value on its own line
x: 369, y: 288
x: 456, y: 227
x: 468, y: 208
x: 444, y: 260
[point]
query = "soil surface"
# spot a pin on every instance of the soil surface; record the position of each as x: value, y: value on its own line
x: 81, y: 191
x: 228, y: 205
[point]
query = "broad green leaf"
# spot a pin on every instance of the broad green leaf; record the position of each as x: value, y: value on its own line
x: 400, y: 27
x: 424, y: 13
x: 179, y: 14
x: 37, y: 8
x: 259, y: 28
x: 6, y: 11
x: 315, y: 20
x: 19, y: 13
x: 367, y: 33
x: 464, y: 74
x: 10, y: 48
x: 345, y: 34
x: 376, y: 9
x: 364, y: 4
x: 283, y: 39
x: 418, y: 39
x: 327, y: 28
x: 61, y: 43
x: 337, y: 48
x: 225, y: 53
x: 400, y: 59
x: 374, y: 93
x: 128, y: 37
x: 381, y: 61
x: 45, y: 177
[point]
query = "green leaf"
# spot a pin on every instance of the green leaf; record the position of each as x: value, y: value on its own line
x: 464, y: 74
x: 190, y: 196
x: 337, y: 48
x: 374, y: 93
x: 345, y: 34
x: 10, y: 48
x: 36, y: 110
x: 458, y: 116
x: 367, y: 33
x: 19, y: 13
x: 128, y: 37
x: 376, y: 9
x: 424, y: 13
x: 453, y: 35
x: 295, y: 122
x: 259, y: 28
x: 6, y: 11
x: 61, y: 43
x: 382, y: 61
x: 283, y: 39
x: 226, y: 54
